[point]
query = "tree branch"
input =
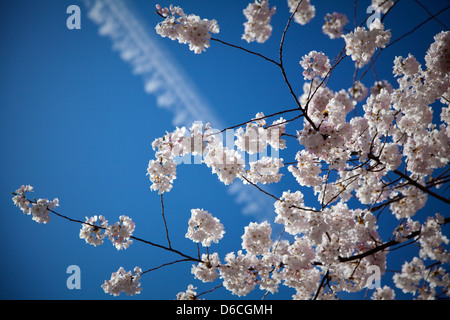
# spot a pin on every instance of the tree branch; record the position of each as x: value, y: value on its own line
x: 421, y: 187
x: 383, y: 246
x: 165, y: 223
x: 132, y: 237
x: 322, y: 283
x: 246, y: 50
x: 164, y: 265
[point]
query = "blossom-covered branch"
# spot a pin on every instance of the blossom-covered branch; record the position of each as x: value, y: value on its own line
x: 362, y: 150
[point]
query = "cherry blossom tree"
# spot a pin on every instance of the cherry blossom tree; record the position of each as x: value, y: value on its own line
x: 367, y: 150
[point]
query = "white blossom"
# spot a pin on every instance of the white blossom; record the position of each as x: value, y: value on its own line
x: 358, y: 91
x: 412, y: 201
x: 189, y: 294
x: 257, y: 137
x: 315, y: 64
x: 38, y: 209
x: 225, y: 162
x: 362, y: 43
x: 432, y: 240
x: 93, y: 231
x: 290, y: 213
x: 265, y: 170
x: 382, y: 5
x: 237, y: 274
x: 256, y: 239
x: 411, y: 276
x: 257, y: 26
x: 123, y: 281
x: 187, y: 29
x: 305, y: 11
x: 206, y: 271
x: 334, y: 24
x: 20, y: 200
x: 438, y: 55
x: 204, y: 228
x: 384, y: 293
x: 120, y: 232
x: 378, y: 85
x: 307, y: 171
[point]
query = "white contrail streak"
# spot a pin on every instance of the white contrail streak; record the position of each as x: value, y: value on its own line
x: 165, y: 80
x: 161, y: 77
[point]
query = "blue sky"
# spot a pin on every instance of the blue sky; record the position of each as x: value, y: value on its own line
x: 76, y: 123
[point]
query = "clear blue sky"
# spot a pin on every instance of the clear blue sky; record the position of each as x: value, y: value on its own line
x: 77, y: 124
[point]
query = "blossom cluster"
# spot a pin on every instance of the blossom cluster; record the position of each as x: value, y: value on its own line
x: 206, y: 270
x: 162, y: 170
x: 123, y: 281
x: 258, y: 135
x: 327, y: 236
x: 361, y: 152
x: 227, y: 163
x: 257, y: 27
x: 38, y: 209
x: 256, y: 239
x: 265, y: 170
x: 334, y: 24
x: 315, y: 64
x: 96, y: 229
x: 308, y: 169
x: 304, y: 11
x: 328, y: 246
x: 416, y: 278
x: 187, y: 29
x: 120, y: 232
x: 93, y: 231
x: 204, y: 228
x: 384, y: 293
x: 189, y: 294
x: 361, y: 43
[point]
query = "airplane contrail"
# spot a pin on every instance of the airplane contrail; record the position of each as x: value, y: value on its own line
x: 165, y: 80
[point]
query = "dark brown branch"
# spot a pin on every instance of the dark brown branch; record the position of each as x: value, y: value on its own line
x: 246, y: 50
x: 400, y: 38
x: 258, y: 119
x: 431, y: 15
x: 164, y: 265
x: 165, y: 223
x: 417, y: 27
x: 276, y: 198
x: 166, y: 248
x: 211, y: 290
x: 132, y: 237
x: 383, y: 246
x: 283, y: 71
x: 322, y: 283
x: 256, y: 186
x: 421, y: 187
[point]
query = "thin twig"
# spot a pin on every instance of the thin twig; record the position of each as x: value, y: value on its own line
x: 283, y: 71
x: 258, y: 119
x: 421, y: 187
x: 164, y: 265
x: 400, y: 38
x: 215, y: 288
x: 322, y: 283
x: 165, y: 223
x: 431, y: 15
x: 246, y: 50
x: 132, y: 237
x: 384, y: 246
x: 256, y: 186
